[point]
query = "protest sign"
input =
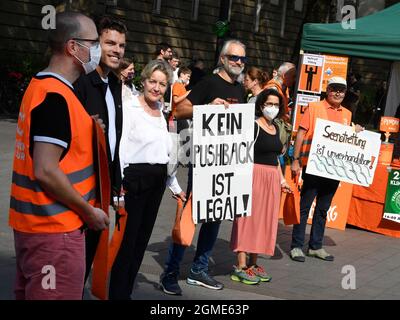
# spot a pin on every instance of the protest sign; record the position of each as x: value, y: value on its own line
x: 222, y: 161
x: 311, y: 73
x: 302, y: 101
x: 339, y: 153
x: 392, y: 202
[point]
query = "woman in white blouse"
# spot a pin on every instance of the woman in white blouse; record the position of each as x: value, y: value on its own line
x: 145, y: 150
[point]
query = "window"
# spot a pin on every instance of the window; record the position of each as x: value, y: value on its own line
x: 298, y: 5
x: 156, y: 6
x: 257, y: 15
x: 274, y: 2
x: 195, y: 10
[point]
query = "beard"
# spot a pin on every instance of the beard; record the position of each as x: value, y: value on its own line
x: 232, y: 70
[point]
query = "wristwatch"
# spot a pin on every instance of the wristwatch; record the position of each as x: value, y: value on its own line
x: 296, y: 158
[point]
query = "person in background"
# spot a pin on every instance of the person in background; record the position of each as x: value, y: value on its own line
x: 198, y: 72
x: 353, y: 93
x: 323, y: 189
x: 126, y: 72
x: 54, y: 183
x: 144, y: 154
x: 179, y: 93
x: 282, y: 82
x: 257, y: 234
x: 163, y: 52
x: 174, y: 63
x: 254, y: 81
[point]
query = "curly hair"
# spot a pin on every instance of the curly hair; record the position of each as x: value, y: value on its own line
x: 262, y: 97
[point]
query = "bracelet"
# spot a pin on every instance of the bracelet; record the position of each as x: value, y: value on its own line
x: 283, y: 181
x: 296, y: 158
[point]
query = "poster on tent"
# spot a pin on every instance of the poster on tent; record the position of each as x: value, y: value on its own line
x: 311, y: 73
x: 334, y: 66
x: 392, y: 202
x: 339, y: 153
x: 223, y: 142
x: 302, y: 101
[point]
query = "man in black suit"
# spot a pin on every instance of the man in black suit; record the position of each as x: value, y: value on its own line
x: 100, y: 94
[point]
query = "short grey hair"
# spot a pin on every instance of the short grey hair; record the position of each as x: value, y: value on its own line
x: 155, y: 65
x: 285, y: 67
x: 226, y: 46
x: 68, y: 26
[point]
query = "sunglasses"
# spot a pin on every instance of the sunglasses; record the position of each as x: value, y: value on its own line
x: 235, y: 58
x: 338, y: 89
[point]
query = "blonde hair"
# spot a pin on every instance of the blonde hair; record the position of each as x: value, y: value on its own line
x: 155, y: 65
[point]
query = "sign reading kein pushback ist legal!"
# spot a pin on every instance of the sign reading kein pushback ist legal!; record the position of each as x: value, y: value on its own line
x: 339, y: 153
x: 222, y: 162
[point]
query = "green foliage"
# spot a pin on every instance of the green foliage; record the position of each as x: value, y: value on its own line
x: 15, y: 76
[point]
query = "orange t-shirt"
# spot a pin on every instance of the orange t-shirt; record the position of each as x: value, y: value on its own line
x: 334, y: 114
x: 178, y: 90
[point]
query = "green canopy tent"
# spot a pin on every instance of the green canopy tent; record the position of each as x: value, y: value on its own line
x: 376, y: 36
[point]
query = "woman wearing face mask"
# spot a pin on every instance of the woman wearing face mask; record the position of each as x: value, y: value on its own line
x: 145, y: 149
x: 254, y: 81
x: 257, y: 234
x: 126, y: 73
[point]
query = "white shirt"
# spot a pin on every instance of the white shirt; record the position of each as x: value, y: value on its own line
x: 145, y: 139
x: 112, y: 135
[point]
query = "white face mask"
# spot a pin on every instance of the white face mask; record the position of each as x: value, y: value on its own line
x: 94, y: 60
x: 270, y: 112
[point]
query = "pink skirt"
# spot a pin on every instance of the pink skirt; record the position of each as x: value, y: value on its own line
x: 257, y: 233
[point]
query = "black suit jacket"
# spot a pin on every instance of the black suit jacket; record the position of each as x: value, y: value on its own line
x: 91, y: 91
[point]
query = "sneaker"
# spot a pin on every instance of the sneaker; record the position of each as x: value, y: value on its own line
x: 260, y: 273
x: 246, y: 276
x: 321, y: 254
x: 169, y: 283
x: 297, y: 255
x: 203, y: 279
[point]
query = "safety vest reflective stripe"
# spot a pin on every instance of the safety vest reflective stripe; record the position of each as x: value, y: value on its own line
x: 45, y: 210
x: 24, y: 181
x: 32, y: 209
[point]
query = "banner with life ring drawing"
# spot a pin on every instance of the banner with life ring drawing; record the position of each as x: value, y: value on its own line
x: 339, y: 153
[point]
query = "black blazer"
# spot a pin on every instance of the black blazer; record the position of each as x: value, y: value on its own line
x: 91, y: 91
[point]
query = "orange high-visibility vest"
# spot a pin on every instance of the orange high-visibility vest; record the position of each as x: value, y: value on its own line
x: 275, y: 84
x: 32, y: 210
x: 318, y: 111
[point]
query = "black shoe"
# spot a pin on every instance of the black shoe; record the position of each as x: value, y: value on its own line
x: 202, y: 278
x: 169, y: 283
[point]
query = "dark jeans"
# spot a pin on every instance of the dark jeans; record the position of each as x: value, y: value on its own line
x: 145, y: 186
x: 324, y: 189
x: 205, y: 243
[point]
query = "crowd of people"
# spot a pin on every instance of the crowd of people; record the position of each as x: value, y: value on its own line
x: 53, y: 197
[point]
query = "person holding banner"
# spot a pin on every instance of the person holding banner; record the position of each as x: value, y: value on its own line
x: 219, y: 88
x: 145, y: 149
x: 323, y: 189
x: 257, y: 234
